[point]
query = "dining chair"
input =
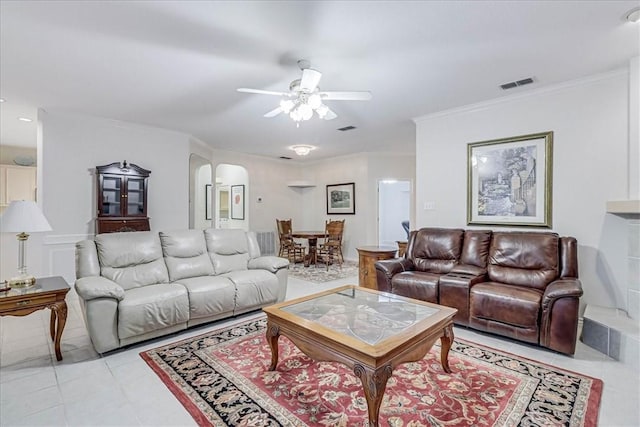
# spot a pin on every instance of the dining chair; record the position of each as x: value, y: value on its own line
x: 331, y: 249
x: 288, y: 247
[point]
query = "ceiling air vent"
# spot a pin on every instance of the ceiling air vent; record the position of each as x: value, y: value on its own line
x: 517, y: 83
x: 346, y: 128
x: 285, y: 158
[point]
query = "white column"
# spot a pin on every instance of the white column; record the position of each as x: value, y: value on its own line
x: 634, y: 128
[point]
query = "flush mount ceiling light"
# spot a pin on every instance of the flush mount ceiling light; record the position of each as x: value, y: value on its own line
x: 302, y: 150
x: 633, y: 15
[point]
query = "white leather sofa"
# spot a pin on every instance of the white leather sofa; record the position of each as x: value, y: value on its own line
x: 141, y: 285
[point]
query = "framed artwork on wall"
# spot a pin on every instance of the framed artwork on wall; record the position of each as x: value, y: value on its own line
x: 207, y: 201
x: 237, y: 202
x: 341, y: 199
x: 509, y: 181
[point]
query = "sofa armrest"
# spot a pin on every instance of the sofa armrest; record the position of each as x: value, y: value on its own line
x: 386, y: 269
x: 559, y: 320
x: 468, y: 269
x: 271, y: 263
x: 562, y: 288
x: 89, y: 288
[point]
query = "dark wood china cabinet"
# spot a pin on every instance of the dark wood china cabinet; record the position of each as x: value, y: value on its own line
x: 122, y: 198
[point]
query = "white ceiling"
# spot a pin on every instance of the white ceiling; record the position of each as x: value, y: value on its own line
x: 176, y: 65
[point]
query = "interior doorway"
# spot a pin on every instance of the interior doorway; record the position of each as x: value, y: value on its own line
x: 394, y: 207
x: 231, y: 197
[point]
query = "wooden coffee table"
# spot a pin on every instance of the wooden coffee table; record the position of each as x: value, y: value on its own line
x: 369, y: 331
x: 48, y: 292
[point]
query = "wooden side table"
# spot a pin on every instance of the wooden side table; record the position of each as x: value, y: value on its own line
x: 368, y: 255
x: 48, y: 292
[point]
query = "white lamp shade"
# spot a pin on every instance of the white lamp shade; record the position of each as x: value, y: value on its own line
x: 23, y: 216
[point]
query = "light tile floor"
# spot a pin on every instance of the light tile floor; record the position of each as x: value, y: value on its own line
x: 119, y: 389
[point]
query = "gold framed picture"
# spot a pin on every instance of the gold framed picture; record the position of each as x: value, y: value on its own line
x: 509, y: 181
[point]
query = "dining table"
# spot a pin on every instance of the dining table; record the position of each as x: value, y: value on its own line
x: 312, y: 237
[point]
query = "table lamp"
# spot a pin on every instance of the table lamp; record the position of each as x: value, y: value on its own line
x: 23, y: 216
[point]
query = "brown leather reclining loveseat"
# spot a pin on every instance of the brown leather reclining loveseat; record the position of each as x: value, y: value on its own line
x: 522, y: 285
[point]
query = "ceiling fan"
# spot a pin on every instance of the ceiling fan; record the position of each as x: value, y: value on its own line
x: 305, y: 97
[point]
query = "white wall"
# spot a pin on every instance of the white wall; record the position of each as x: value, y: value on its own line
x: 71, y: 146
x: 267, y: 178
x: 589, y: 119
x: 202, y: 179
x: 634, y: 128
x: 365, y: 170
x: 69, y: 149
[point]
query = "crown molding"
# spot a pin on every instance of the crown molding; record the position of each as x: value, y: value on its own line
x: 518, y: 96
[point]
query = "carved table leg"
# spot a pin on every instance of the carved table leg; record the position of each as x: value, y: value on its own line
x: 374, y: 383
x: 52, y: 325
x: 445, y: 344
x: 313, y: 257
x: 58, y: 320
x: 273, y: 333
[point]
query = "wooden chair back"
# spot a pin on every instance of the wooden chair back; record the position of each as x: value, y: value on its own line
x: 284, y: 227
x: 331, y: 249
x: 333, y: 232
x: 288, y: 247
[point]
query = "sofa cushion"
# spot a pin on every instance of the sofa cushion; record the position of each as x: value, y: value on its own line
x: 512, y: 305
x: 131, y: 259
x: 254, y: 288
x: 209, y: 296
x: 228, y: 249
x: 185, y: 253
x: 475, y: 248
x: 436, y: 250
x: 524, y: 259
x: 416, y: 284
x: 150, y: 308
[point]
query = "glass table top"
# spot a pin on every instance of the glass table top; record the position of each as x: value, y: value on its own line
x: 45, y: 284
x: 369, y: 317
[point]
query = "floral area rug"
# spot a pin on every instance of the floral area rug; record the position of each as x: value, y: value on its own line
x: 320, y: 274
x: 222, y: 380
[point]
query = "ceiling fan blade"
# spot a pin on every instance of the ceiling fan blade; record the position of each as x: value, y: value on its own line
x: 330, y: 115
x: 273, y: 112
x: 310, y: 79
x: 262, y: 92
x: 346, y: 96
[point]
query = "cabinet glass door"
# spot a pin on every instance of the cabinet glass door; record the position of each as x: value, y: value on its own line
x: 135, y: 196
x: 111, y: 196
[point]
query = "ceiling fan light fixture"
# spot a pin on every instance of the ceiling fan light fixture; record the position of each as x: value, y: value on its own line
x: 302, y: 149
x: 286, y: 105
x: 322, y: 111
x: 304, y: 97
x: 306, y: 112
x: 295, y: 115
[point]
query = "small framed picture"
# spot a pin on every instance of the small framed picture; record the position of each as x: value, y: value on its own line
x: 237, y: 202
x: 341, y: 199
x: 509, y: 181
